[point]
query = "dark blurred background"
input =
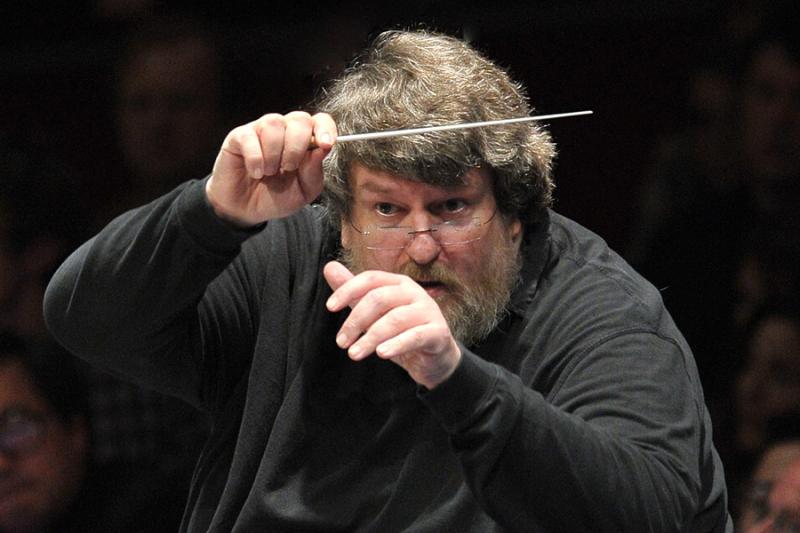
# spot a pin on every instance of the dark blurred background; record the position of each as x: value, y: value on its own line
x: 688, y: 167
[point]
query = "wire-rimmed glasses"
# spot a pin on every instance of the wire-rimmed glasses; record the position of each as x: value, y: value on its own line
x: 453, y: 232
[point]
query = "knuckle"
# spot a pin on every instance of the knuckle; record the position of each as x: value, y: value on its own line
x: 376, y: 298
x: 370, y: 276
x: 240, y: 132
x: 352, y: 327
x: 301, y: 116
x: 272, y: 120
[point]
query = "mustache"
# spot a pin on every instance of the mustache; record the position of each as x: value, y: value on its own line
x: 433, y: 272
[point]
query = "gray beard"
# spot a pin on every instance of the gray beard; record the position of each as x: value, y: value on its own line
x: 473, y: 307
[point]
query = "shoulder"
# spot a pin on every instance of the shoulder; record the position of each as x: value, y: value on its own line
x: 586, y: 295
x: 584, y: 268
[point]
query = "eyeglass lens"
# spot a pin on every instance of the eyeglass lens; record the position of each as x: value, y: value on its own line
x: 20, y: 432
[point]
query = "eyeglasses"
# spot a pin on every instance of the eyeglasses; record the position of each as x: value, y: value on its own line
x: 21, y: 431
x: 448, y: 233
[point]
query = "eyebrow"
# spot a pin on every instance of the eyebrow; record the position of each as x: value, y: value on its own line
x: 376, y: 188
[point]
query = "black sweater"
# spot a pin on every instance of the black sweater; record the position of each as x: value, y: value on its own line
x: 582, y: 411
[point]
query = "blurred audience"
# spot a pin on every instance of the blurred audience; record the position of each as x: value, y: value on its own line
x: 736, y: 168
x: 768, y: 385
x: 42, y: 219
x: 764, y: 400
x: 48, y: 480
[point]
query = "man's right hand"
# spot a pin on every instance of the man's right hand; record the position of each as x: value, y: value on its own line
x: 265, y: 169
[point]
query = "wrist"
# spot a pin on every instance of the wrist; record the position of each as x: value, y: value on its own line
x: 221, y: 212
x: 446, y: 370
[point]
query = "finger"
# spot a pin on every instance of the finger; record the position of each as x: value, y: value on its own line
x: 271, y: 129
x: 311, y: 175
x: 391, y: 303
x: 384, y: 328
x: 243, y: 142
x: 427, y: 338
x: 325, y: 131
x: 352, y: 290
x: 296, y: 140
x: 336, y: 274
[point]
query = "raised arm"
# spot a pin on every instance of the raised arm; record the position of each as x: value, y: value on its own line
x: 159, y: 293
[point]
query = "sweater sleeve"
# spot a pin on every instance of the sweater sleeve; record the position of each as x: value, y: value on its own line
x: 617, y: 445
x: 148, y: 297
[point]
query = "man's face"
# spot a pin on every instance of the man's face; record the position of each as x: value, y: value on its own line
x: 769, y: 385
x: 470, y: 273
x: 40, y: 478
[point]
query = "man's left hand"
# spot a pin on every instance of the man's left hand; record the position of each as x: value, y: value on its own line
x: 393, y: 317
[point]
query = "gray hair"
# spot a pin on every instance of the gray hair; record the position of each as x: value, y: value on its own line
x: 413, y: 78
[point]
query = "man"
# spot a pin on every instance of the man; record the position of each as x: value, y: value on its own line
x: 471, y: 362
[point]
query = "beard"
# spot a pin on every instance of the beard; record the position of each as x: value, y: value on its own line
x: 473, y: 305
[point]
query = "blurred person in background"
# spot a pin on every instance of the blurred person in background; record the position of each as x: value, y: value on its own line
x: 44, y: 442
x: 771, y: 465
x: 778, y: 511
x: 766, y: 393
x: 49, y: 481
x: 769, y: 383
x: 736, y: 170
x: 168, y: 110
x: 41, y: 219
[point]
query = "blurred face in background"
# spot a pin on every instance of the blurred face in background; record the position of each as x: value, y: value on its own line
x: 769, y: 385
x: 42, y: 457
x: 168, y: 109
x: 771, y: 114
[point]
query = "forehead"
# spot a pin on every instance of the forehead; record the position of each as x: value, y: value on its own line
x: 367, y: 182
x: 17, y: 388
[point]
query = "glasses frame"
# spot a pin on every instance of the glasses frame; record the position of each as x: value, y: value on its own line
x: 411, y: 232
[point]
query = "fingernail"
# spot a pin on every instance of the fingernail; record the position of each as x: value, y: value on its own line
x: 385, y: 349
x: 258, y: 172
x: 341, y: 340
x: 354, y: 351
x: 332, y: 302
x: 325, y: 138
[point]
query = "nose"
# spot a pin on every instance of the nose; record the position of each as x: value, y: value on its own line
x: 423, y: 248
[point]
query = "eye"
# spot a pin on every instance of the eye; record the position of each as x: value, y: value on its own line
x: 453, y: 206
x: 386, y: 209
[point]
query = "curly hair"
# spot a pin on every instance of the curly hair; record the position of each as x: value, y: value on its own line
x: 413, y: 78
